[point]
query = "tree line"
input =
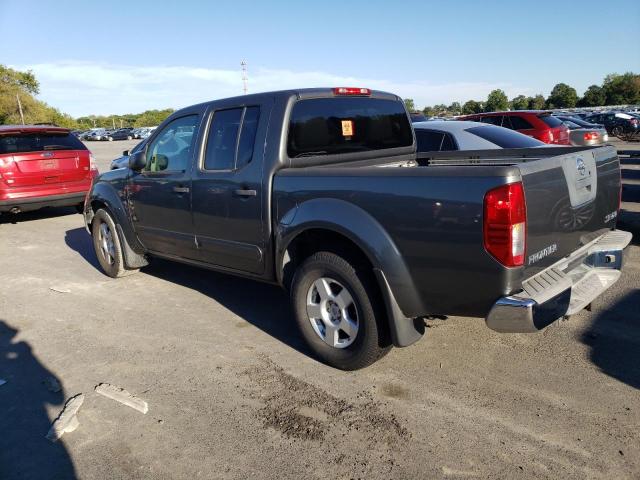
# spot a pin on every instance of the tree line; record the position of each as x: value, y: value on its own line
x: 616, y: 89
x: 18, y: 100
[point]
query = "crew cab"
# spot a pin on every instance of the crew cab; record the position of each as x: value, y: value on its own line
x: 322, y: 192
x: 42, y: 166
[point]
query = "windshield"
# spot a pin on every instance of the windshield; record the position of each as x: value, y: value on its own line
x: 327, y: 126
x: 39, y: 141
x: 503, y: 137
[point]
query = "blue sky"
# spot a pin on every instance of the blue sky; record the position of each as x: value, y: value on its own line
x: 119, y: 56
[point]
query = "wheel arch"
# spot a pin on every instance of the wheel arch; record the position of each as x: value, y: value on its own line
x: 331, y: 224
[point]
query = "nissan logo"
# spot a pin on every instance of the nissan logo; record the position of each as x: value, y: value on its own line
x: 582, y: 169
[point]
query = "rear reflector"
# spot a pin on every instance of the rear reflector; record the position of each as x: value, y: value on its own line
x: 591, y: 136
x: 351, y: 91
x: 505, y: 224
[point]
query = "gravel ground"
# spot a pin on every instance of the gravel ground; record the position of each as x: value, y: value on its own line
x: 232, y: 394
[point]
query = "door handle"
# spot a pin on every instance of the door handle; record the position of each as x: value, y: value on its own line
x: 180, y: 189
x: 245, y: 193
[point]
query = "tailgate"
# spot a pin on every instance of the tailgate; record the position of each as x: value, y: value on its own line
x: 60, y: 166
x: 571, y: 199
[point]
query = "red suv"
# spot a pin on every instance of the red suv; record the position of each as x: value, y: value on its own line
x: 42, y: 166
x: 535, y: 123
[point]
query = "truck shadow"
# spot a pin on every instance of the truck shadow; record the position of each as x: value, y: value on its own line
x: 614, y: 339
x: 24, y: 422
x: 263, y: 305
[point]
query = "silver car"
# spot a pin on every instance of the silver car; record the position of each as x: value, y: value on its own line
x: 442, y: 136
x: 583, y: 133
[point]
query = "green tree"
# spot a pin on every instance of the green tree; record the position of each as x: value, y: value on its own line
x: 594, y: 96
x: 428, y: 111
x: 25, y: 81
x: 537, y: 103
x: 471, y: 106
x: 520, y: 103
x: 562, y: 96
x: 496, y: 101
x: 455, y: 108
x: 408, y: 102
x: 622, y: 89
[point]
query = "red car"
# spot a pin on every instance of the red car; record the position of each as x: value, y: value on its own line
x: 42, y: 166
x: 535, y: 123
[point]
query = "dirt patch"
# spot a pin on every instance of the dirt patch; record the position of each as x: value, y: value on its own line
x: 303, y: 411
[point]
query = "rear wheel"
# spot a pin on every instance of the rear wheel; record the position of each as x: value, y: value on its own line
x: 617, y: 131
x: 107, y: 245
x: 337, y: 311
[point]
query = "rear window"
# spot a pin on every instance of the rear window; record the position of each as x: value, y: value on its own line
x: 551, y: 122
x: 329, y: 126
x: 504, y: 137
x: 37, y: 142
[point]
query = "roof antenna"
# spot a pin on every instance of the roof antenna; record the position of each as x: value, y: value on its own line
x: 244, y: 77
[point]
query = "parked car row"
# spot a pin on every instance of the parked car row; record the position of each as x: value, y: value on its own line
x: 127, y: 133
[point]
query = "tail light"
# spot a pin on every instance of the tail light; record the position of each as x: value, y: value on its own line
x: 591, y: 136
x: 634, y: 121
x: 505, y: 224
x: 351, y: 91
x: 92, y: 163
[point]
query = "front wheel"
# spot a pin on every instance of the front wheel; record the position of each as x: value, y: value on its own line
x: 107, y: 245
x: 338, y: 312
x: 129, y: 137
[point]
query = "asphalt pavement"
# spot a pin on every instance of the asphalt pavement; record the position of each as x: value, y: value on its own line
x: 232, y: 393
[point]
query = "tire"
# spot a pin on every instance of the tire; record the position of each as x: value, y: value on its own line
x: 110, y: 139
x: 617, y: 131
x: 355, y: 323
x: 129, y: 137
x: 107, y: 245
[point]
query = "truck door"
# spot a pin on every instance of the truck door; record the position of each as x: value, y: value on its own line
x: 229, y: 190
x: 160, y: 195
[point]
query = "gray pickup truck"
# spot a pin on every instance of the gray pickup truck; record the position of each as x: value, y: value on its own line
x: 322, y: 191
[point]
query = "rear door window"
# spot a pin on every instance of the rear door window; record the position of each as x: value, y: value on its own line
x: 38, y: 142
x: 504, y: 137
x: 519, y: 123
x: 337, y: 125
x: 493, y: 120
x: 448, y: 143
x: 428, y: 140
x: 231, y: 138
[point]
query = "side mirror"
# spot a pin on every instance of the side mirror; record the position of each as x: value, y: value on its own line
x: 137, y: 161
x: 125, y: 153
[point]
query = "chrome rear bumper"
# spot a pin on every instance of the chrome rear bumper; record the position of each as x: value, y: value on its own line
x: 564, y: 288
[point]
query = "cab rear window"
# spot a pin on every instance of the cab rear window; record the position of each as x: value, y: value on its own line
x: 38, y: 142
x: 329, y: 126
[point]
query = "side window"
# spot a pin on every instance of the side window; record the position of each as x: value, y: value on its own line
x: 519, y: 123
x: 222, y: 140
x: 506, y: 122
x: 171, y: 149
x: 428, y: 141
x: 493, y: 120
x: 247, y: 136
x: 448, y: 144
